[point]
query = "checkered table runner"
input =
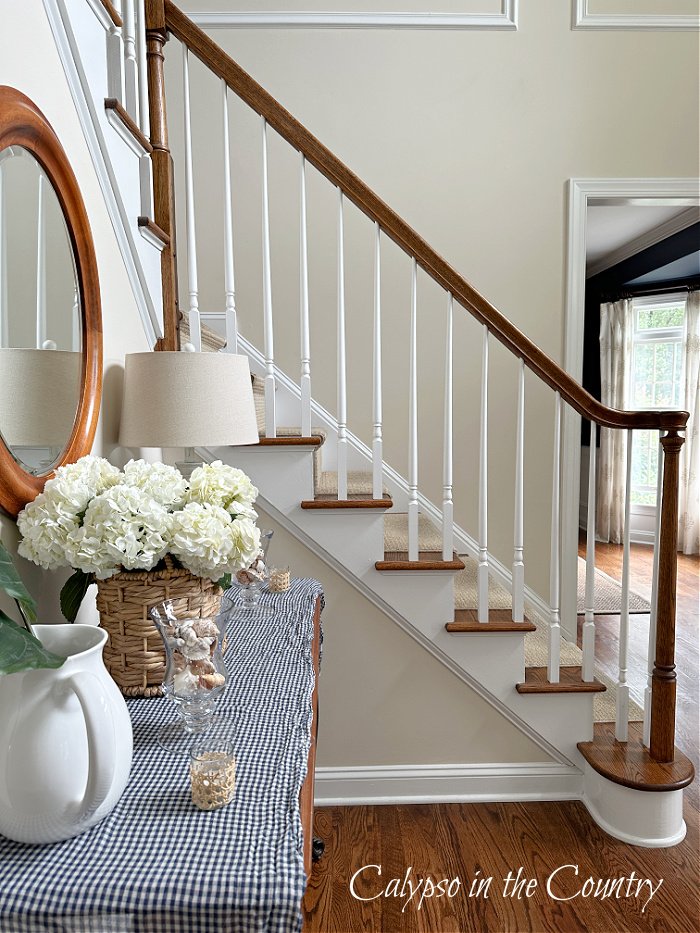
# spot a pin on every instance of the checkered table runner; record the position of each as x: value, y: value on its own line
x: 156, y: 864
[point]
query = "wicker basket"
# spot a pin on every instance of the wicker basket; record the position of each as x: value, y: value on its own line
x: 134, y: 654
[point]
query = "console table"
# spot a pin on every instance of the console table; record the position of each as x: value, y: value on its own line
x: 156, y: 864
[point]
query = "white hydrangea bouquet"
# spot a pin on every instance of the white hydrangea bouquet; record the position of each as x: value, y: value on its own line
x: 102, y: 521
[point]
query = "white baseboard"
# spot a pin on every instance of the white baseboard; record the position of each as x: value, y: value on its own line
x: 468, y: 783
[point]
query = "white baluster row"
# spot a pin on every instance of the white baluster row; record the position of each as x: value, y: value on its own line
x: 342, y: 378
x: 447, y: 503
x: 305, y: 377
x: 654, y: 593
x: 268, y: 338
x: 555, y: 549
x: 131, y: 68
x: 518, y: 593
x: 482, y: 579
x: 229, y: 277
x: 623, y: 690
x: 141, y: 68
x: 413, y: 547
x: 192, y: 283
x: 588, y: 636
x: 377, y: 429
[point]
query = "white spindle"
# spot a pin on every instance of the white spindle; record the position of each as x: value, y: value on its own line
x: 554, y: 566
x: 193, y: 287
x: 342, y: 381
x: 41, y: 265
x: 518, y: 596
x: 268, y: 336
x: 623, y: 690
x: 305, y: 380
x: 651, y: 652
x: 115, y: 59
x: 76, y: 319
x: 413, y: 548
x: 447, y: 504
x: 142, y: 69
x: 377, y: 429
x: 130, y: 64
x: 588, y: 637
x: 229, y: 277
x: 483, y: 568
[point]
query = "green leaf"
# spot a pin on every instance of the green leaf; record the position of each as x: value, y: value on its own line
x: 11, y: 582
x: 20, y: 651
x: 74, y: 589
x: 225, y: 582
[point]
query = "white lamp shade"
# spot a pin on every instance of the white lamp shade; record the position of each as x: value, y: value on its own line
x: 178, y: 399
x: 39, y: 395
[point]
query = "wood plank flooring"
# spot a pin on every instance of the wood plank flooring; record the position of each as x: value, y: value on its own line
x: 471, y: 841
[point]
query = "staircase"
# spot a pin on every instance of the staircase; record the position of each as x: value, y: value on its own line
x: 337, y: 494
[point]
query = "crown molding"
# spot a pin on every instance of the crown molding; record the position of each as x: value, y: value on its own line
x: 582, y: 18
x: 645, y: 240
x: 507, y: 19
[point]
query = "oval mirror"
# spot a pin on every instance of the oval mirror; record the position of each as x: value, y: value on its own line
x: 50, y: 321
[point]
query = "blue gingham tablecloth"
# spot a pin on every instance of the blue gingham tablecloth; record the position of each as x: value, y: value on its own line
x: 156, y: 864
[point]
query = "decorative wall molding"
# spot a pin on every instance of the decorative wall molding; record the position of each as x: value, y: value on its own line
x: 583, y: 19
x: 401, y: 784
x: 507, y: 18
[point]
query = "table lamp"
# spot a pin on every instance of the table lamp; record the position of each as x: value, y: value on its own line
x: 187, y: 399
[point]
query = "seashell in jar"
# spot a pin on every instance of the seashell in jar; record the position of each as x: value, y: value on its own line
x: 244, y: 577
x: 205, y: 627
x: 209, y: 681
x: 202, y: 667
x: 199, y: 650
x: 184, y: 683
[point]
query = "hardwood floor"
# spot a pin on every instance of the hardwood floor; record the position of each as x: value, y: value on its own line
x: 469, y: 841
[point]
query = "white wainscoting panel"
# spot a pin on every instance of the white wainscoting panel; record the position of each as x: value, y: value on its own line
x: 583, y: 18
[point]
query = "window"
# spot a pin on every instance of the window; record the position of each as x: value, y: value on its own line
x: 657, y: 380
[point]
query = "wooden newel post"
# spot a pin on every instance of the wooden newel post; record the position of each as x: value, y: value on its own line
x: 663, y: 678
x: 163, y: 175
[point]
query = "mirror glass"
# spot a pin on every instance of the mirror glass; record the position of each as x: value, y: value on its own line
x: 40, y: 316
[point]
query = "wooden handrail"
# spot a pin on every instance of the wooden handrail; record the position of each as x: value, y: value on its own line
x: 406, y: 237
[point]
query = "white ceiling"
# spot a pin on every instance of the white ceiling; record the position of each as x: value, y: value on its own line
x: 612, y: 227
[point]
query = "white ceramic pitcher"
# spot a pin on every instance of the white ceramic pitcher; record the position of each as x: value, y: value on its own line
x: 65, y: 740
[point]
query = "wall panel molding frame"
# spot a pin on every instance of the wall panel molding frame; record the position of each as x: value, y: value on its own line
x: 506, y: 18
x: 582, y: 18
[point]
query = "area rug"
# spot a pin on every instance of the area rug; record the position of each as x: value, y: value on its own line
x: 608, y: 594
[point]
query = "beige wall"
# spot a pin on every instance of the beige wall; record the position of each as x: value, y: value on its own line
x: 383, y: 699
x: 471, y: 136
x: 123, y: 332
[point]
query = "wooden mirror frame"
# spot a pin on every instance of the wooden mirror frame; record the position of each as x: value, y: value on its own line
x: 23, y: 124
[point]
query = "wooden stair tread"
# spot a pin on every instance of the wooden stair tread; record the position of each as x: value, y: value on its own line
x: 427, y: 560
x: 354, y: 501
x: 569, y: 682
x: 295, y: 441
x: 157, y: 231
x: 111, y: 103
x: 630, y: 764
x: 500, y: 620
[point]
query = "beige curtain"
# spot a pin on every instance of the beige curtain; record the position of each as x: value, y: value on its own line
x: 689, y: 488
x: 616, y: 329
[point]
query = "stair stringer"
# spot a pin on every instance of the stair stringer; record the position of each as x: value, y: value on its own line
x: 83, y: 37
x: 350, y: 541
